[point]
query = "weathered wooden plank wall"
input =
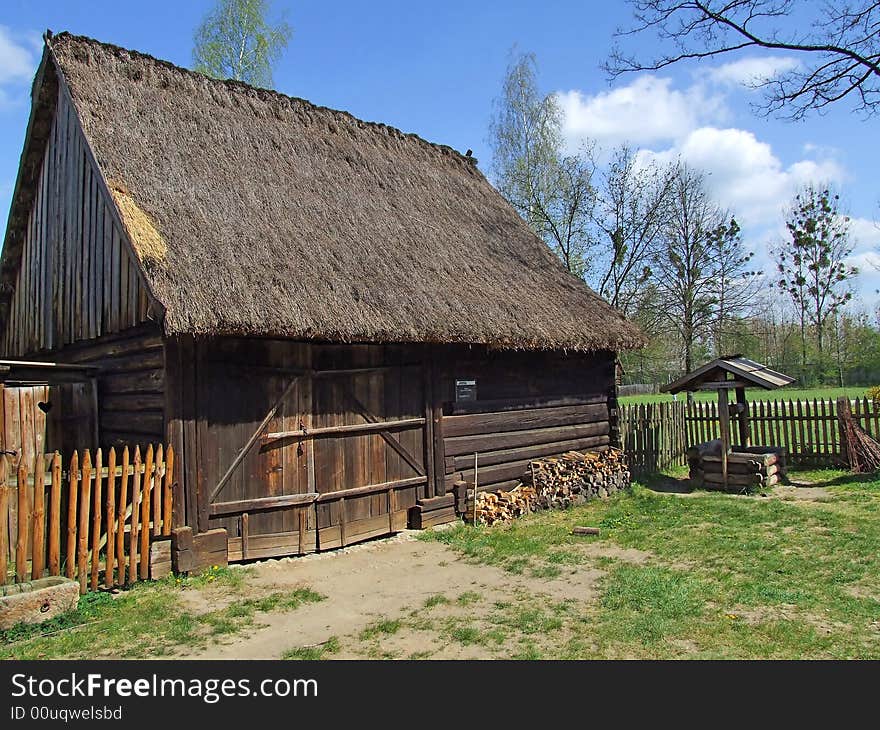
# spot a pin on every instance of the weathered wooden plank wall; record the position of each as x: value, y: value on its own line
x: 352, y: 475
x: 77, y: 278
x: 23, y: 431
x: 128, y: 395
x: 528, y: 405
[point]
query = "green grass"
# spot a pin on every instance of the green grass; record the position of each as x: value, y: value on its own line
x: 437, y: 599
x: 723, y: 576
x: 756, y: 394
x: 377, y: 629
x: 150, y: 619
x: 313, y: 653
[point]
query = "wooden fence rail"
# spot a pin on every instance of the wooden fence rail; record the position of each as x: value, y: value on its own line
x: 657, y: 435
x: 109, y: 515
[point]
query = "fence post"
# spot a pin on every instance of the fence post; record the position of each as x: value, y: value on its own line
x: 55, y: 517
x: 23, y: 515
x: 109, y: 562
x: 97, y: 507
x: 135, y: 517
x: 169, y: 480
x: 4, y: 519
x: 85, y: 493
x: 842, y: 404
x: 72, y: 501
x: 120, y: 526
x: 38, y: 532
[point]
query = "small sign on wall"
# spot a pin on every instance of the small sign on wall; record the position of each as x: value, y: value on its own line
x: 465, y: 390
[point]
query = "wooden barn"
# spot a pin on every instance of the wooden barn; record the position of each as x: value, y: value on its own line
x: 326, y: 317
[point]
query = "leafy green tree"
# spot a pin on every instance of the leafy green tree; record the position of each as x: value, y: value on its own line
x: 237, y: 41
x: 812, y: 262
x: 551, y: 190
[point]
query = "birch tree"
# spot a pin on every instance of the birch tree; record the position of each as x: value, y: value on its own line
x: 551, y: 190
x: 237, y: 41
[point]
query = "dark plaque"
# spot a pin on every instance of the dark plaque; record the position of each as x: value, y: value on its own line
x: 465, y: 390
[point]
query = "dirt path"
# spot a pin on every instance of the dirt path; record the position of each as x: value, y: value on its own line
x: 386, y: 580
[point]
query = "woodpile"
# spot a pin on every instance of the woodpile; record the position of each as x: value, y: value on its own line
x: 503, y: 506
x: 576, y: 477
x: 748, y: 468
x: 559, y: 481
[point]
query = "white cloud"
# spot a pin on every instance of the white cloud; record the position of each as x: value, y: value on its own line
x: 743, y: 172
x: 752, y: 71
x: 644, y: 112
x: 17, y: 57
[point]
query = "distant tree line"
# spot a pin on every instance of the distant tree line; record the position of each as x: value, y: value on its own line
x: 653, y: 241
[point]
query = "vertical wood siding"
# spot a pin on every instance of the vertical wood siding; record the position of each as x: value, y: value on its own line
x: 77, y: 279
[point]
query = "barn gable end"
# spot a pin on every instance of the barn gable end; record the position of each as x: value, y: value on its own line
x: 68, y: 269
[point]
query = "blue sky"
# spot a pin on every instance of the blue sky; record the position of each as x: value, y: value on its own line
x: 434, y: 69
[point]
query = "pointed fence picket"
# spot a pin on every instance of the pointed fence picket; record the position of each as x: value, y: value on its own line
x: 108, y: 529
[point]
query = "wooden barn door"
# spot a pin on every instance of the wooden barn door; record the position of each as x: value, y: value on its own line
x: 368, y: 441
x: 305, y: 448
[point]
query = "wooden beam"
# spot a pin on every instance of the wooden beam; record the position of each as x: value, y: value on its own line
x: 428, y: 430
x: 724, y: 428
x: 354, y: 429
x: 722, y: 385
x: 438, y: 360
x: 241, y: 506
x: 371, y: 489
x: 743, y: 417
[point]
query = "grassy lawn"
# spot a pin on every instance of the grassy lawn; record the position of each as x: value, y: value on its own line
x: 755, y: 394
x: 717, y: 576
x: 151, y: 619
x: 791, y: 574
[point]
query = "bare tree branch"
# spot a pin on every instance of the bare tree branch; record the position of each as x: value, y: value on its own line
x: 839, y: 48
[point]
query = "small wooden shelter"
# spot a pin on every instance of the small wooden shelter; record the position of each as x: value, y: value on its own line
x: 725, y: 374
x: 325, y: 317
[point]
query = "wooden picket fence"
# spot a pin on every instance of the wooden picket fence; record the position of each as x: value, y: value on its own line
x: 657, y: 435
x: 98, y: 517
x: 653, y: 435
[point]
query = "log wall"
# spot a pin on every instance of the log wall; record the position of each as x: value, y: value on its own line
x: 529, y: 405
x: 129, y: 396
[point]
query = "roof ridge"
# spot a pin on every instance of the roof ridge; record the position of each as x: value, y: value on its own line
x: 235, y: 85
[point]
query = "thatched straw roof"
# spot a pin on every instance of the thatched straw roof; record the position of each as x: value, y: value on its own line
x: 267, y: 215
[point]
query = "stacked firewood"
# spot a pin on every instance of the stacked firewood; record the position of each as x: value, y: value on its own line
x: 502, y: 506
x: 559, y: 481
x: 575, y: 477
x: 748, y: 468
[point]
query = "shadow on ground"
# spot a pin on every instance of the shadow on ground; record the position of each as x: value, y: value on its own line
x: 668, y: 484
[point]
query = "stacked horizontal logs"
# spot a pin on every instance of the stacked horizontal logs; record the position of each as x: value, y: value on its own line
x: 748, y: 468
x: 575, y: 477
x: 502, y: 506
x: 559, y: 481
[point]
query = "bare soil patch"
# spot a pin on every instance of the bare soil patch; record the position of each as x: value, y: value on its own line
x: 388, y: 580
